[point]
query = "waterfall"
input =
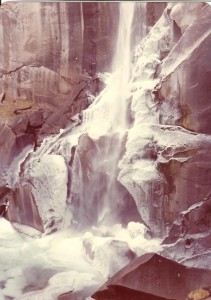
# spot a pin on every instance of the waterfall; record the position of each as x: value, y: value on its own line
x: 105, y: 125
x: 108, y: 111
x: 122, y: 54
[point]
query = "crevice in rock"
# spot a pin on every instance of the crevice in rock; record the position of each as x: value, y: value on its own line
x: 19, y: 68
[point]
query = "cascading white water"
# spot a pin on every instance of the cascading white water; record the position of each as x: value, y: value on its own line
x: 105, y: 119
x: 108, y: 111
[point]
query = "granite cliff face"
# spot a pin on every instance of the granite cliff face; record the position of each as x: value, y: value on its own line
x: 131, y: 163
x: 50, y: 55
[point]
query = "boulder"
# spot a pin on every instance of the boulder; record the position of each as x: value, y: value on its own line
x: 157, y: 277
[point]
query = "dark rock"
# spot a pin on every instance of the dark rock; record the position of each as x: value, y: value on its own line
x: 154, y: 12
x: 196, y: 219
x: 15, y: 146
x: 2, y: 97
x: 4, y: 208
x: 35, y: 118
x: 3, y: 192
x: 53, y: 123
x: 188, y: 180
x: 189, y: 238
x: 22, y: 208
x: 157, y: 276
x: 118, y: 292
x: 20, y: 124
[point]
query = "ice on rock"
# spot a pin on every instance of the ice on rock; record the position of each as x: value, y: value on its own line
x: 47, y: 178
